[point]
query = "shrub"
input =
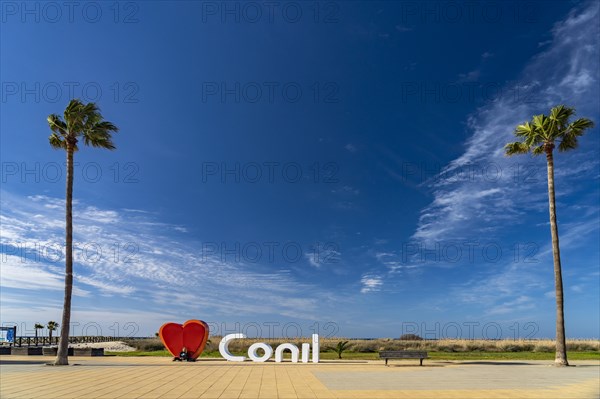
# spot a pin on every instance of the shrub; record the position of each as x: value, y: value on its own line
x: 516, y: 346
x: 583, y: 346
x: 543, y: 348
x: 410, y: 337
x: 527, y: 347
x: 476, y: 346
x: 366, y: 346
x: 146, y: 345
x: 450, y: 348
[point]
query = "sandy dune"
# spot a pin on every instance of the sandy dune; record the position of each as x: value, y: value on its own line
x: 111, y: 346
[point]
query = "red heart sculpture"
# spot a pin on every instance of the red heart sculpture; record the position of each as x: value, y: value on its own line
x: 192, y: 335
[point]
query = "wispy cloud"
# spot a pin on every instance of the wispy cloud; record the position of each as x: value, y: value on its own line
x: 519, y: 304
x: 346, y: 190
x: 499, y: 191
x: 26, y: 274
x: 323, y: 256
x: 127, y: 254
x: 483, y: 195
x: 490, y: 192
x: 475, y: 74
x: 471, y: 76
x: 370, y: 283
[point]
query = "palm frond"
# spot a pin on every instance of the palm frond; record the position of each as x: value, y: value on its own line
x: 578, y: 126
x: 533, y: 139
x: 98, y: 140
x: 542, y: 125
x: 571, y: 132
x: 561, y: 113
x: 539, y: 150
x: 90, y: 109
x: 99, y: 134
x: 516, y: 148
x: 56, y: 124
x: 524, y: 129
x: 529, y: 133
x: 568, y: 143
x: 57, y: 142
x: 72, y: 115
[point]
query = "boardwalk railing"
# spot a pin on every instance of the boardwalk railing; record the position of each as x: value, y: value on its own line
x: 47, y: 341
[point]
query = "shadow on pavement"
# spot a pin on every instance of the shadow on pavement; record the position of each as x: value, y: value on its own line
x: 493, y: 363
x: 338, y: 362
x: 22, y: 362
x: 425, y: 365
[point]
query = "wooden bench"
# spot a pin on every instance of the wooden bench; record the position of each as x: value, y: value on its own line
x: 403, y: 355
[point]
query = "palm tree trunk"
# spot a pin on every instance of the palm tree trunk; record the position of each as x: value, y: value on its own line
x: 63, y: 345
x: 561, y: 344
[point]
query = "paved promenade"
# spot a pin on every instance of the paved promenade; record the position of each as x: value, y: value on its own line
x: 152, y: 377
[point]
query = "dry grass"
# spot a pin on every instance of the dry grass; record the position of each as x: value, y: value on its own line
x: 464, y: 345
x: 376, y: 345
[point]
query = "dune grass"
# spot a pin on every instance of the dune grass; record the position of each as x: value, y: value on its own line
x: 368, y: 349
x: 376, y: 345
x: 432, y: 355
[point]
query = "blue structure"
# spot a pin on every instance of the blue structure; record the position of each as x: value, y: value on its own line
x: 11, y: 333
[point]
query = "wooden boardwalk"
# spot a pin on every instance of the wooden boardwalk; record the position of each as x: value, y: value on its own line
x: 47, y: 341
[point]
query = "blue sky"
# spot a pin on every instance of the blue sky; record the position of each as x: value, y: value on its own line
x: 292, y: 168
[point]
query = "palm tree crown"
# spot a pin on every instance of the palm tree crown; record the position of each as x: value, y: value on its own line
x: 541, y: 134
x: 52, y: 325
x: 81, y: 120
x: 36, y: 327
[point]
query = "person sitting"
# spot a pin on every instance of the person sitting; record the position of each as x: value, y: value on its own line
x: 184, y: 354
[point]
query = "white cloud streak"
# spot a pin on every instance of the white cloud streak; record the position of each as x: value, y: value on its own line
x: 482, y: 195
x: 370, y: 283
x: 478, y: 191
x: 126, y: 254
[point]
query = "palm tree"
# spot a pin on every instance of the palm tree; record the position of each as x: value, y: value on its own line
x: 80, y: 121
x: 540, y: 136
x: 340, y: 348
x: 52, y: 325
x: 37, y: 327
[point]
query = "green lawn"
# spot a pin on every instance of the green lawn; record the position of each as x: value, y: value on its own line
x: 510, y: 356
x: 432, y: 355
x: 473, y: 356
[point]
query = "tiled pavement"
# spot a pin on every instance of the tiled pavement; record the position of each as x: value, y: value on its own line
x: 149, y: 377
